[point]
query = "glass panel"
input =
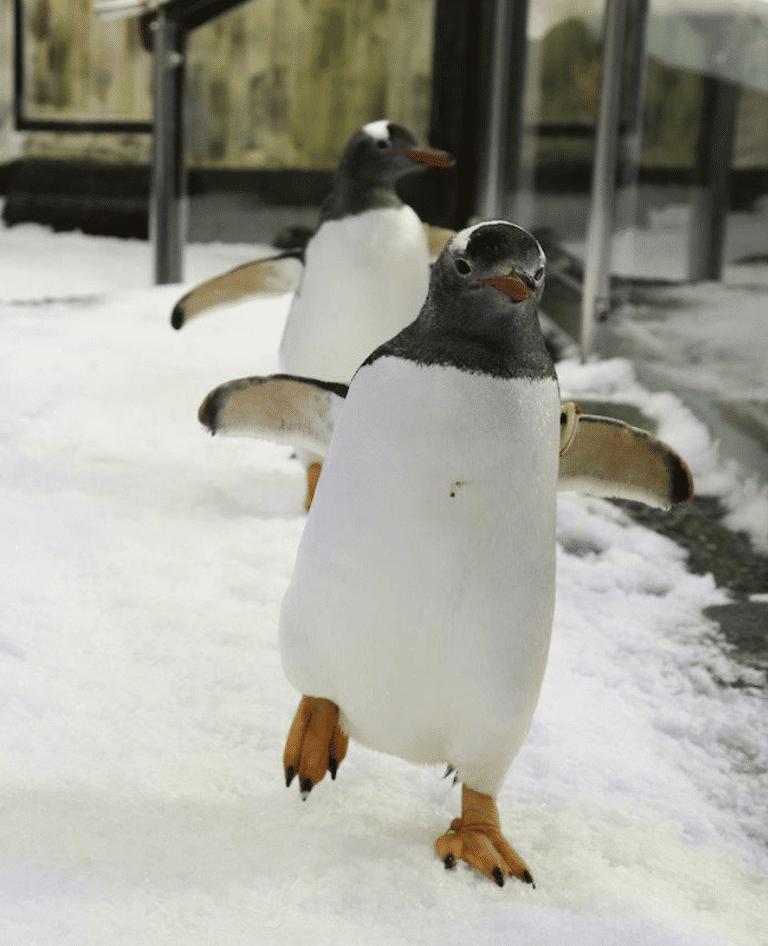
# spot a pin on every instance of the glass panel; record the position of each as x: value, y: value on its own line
x: 705, y: 145
x: 561, y: 106
x: 695, y: 162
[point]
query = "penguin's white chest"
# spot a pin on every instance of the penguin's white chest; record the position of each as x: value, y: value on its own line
x: 365, y: 279
x: 423, y: 592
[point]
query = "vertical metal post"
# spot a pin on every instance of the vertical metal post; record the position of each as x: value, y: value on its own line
x: 598, y: 249
x: 168, y: 211
x: 490, y: 180
x: 714, y: 152
x: 629, y: 176
x: 19, y: 64
x: 711, y: 198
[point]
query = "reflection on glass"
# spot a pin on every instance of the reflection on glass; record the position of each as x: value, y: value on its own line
x: 696, y: 176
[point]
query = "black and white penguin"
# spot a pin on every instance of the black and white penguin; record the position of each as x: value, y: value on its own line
x: 419, y: 614
x: 363, y: 275
x: 418, y: 617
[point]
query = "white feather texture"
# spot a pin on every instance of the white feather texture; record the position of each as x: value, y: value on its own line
x: 378, y: 129
x: 423, y: 592
x: 366, y: 278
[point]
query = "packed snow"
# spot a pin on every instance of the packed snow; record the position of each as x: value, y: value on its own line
x: 143, y: 709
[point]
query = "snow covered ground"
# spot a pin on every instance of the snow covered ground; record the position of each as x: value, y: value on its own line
x: 707, y: 342
x: 143, y: 710
x: 716, y: 339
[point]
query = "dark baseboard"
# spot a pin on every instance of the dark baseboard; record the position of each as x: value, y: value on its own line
x: 113, y: 199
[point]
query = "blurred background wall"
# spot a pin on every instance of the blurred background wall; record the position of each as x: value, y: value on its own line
x: 282, y: 83
x: 275, y: 87
x: 274, y: 83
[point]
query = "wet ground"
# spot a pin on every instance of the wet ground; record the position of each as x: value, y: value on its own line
x: 712, y: 548
x: 697, y: 526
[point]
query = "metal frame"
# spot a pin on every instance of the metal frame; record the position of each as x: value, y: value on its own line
x: 594, y: 302
x: 491, y: 170
x: 168, y: 207
x: 502, y: 81
x: 168, y: 203
x: 168, y: 195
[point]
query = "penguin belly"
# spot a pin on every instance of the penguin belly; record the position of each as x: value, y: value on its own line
x: 365, y: 279
x: 423, y: 593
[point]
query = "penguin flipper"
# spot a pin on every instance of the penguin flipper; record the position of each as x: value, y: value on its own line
x: 283, y: 408
x: 437, y: 238
x: 612, y: 459
x: 262, y: 278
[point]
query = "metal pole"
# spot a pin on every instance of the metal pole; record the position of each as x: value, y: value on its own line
x: 491, y: 169
x: 595, y: 300
x: 710, y: 201
x: 168, y: 211
x: 635, y: 98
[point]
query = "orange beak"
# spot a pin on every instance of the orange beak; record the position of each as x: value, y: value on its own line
x: 514, y: 287
x: 432, y: 159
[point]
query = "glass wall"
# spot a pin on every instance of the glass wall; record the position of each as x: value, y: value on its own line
x: 693, y: 155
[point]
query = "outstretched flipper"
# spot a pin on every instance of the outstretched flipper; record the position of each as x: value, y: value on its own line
x: 262, y: 278
x: 609, y: 458
x: 296, y: 411
x: 599, y: 456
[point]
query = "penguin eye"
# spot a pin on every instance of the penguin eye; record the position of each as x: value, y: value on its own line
x: 381, y: 143
x: 462, y: 267
x: 539, y: 273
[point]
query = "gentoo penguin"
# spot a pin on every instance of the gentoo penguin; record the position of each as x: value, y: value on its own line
x: 365, y: 271
x: 418, y: 617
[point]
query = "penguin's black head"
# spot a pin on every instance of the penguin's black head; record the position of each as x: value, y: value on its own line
x: 481, y: 312
x: 496, y: 263
x: 382, y: 151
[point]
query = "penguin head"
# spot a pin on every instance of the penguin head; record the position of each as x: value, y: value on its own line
x: 481, y: 312
x: 497, y: 264
x: 382, y: 151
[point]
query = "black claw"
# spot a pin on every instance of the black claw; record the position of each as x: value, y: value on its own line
x: 498, y: 876
x: 289, y: 774
x: 177, y: 316
x: 450, y: 862
x: 528, y: 879
x: 306, y: 788
x: 448, y: 771
x: 332, y: 767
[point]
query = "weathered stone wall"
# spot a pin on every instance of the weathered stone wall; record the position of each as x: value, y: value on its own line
x: 277, y: 83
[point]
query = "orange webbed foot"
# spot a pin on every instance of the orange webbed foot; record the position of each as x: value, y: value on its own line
x: 477, y: 839
x: 316, y: 743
